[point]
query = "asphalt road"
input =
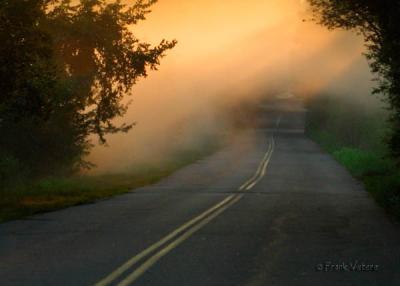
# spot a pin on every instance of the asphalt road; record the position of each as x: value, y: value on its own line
x: 269, y: 209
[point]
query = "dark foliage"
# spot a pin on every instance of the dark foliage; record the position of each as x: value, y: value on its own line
x: 378, y: 21
x: 65, y: 67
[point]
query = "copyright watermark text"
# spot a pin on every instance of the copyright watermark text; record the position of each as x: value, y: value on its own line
x: 353, y: 266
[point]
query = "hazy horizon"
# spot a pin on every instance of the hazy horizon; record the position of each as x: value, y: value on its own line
x: 227, y: 52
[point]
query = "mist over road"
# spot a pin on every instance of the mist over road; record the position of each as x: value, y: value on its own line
x: 269, y: 209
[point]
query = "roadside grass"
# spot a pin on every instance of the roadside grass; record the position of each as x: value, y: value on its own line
x: 366, y: 158
x: 55, y: 193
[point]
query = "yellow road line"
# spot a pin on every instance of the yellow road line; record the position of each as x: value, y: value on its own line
x: 185, y: 231
x: 264, y: 163
x: 120, y: 270
x: 258, y: 169
x: 264, y: 168
x: 152, y: 260
x: 249, y: 184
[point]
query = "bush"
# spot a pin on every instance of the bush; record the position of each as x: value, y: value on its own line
x: 354, y: 134
x: 362, y: 163
x: 349, y: 121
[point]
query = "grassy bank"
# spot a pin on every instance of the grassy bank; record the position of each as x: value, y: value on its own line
x: 50, y: 194
x: 353, y: 132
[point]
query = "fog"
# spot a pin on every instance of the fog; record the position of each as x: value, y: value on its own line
x: 229, y: 52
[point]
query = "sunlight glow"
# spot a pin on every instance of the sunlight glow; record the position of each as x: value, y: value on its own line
x: 228, y: 50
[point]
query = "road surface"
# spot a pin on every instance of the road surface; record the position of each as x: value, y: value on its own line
x: 269, y: 209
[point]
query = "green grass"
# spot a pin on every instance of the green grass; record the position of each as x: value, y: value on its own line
x: 56, y: 193
x: 379, y: 174
x: 356, y: 140
x: 363, y: 163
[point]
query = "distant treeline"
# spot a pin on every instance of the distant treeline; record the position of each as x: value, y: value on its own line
x: 378, y: 22
x: 65, y: 67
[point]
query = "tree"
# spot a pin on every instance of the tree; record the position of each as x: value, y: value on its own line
x: 101, y: 57
x: 377, y: 21
x: 65, y: 67
x: 30, y: 112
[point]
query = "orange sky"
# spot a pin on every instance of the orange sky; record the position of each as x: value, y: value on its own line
x: 204, y: 26
x: 227, y: 50
x: 252, y: 36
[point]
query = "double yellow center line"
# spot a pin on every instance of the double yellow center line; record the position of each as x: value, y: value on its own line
x: 155, y: 252
x: 262, y: 168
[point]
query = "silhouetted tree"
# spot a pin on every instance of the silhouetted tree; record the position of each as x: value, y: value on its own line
x: 100, y: 55
x: 378, y: 21
x: 36, y: 130
x: 65, y: 67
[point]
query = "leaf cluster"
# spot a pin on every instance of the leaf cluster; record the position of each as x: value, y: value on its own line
x: 378, y: 22
x: 65, y: 70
